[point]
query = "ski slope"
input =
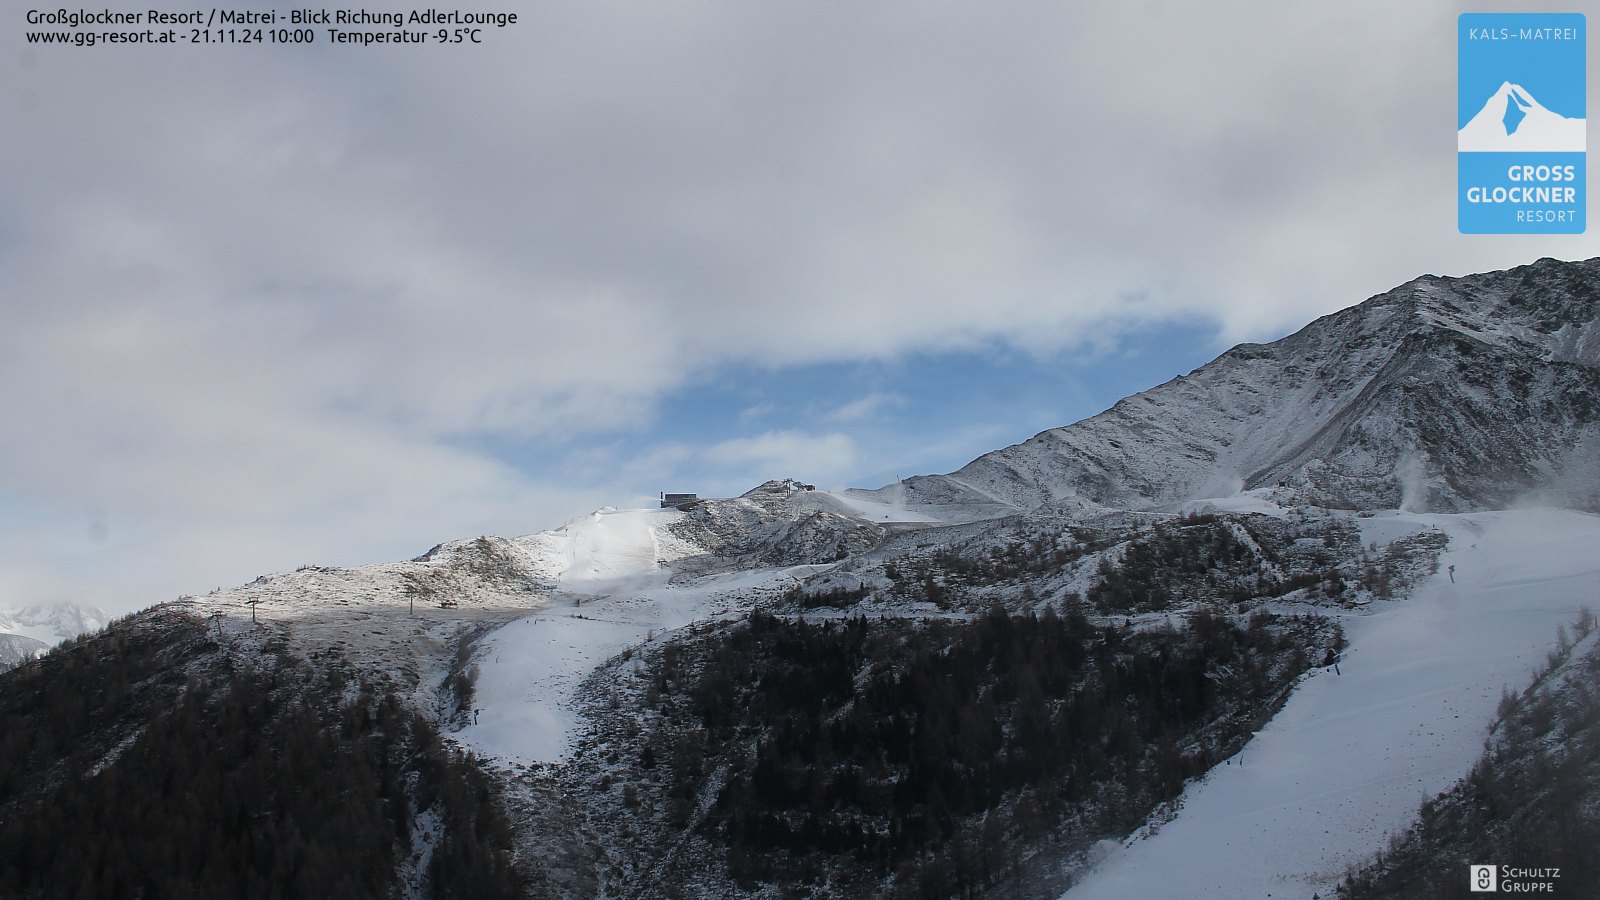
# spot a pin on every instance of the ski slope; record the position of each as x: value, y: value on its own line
x: 1351, y: 756
x: 874, y: 508
x: 611, y: 544
x: 617, y: 589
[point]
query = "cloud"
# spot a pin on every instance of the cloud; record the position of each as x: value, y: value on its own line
x: 260, y: 303
x: 782, y: 454
x: 865, y: 407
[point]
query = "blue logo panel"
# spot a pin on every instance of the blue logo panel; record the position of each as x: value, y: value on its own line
x: 1521, y: 193
x: 1521, y: 121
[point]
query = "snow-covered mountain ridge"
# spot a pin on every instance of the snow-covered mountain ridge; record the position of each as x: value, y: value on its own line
x: 51, y: 623
x: 1444, y: 394
x: 16, y: 649
x: 27, y: 631
x: 1335, y: 483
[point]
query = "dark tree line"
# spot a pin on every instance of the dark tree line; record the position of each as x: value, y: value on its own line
x: 930, y: 751
x: 1227, y: 562
x: 1024, y: 557
x: 1224, y: 560
x: 1042, y: 550
x: 146, y: 763
x: 1181, y: 555
x: 834, y: 598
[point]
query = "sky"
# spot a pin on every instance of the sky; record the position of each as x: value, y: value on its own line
x: 1546, y: 69
x: 272, y: 305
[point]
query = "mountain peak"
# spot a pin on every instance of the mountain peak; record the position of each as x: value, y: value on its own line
x: 51, y: 623
x: 1447, y: 393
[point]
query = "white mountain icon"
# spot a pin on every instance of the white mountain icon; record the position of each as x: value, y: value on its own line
x: 1512, y: 120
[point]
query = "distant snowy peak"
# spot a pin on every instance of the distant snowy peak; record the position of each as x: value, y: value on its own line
x: 16, y: 650
x: 1511, y: 120
x: 52, y: 623
x: 1443, y: 394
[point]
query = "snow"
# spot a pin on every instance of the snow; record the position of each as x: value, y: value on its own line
x: 1255, y: 501
x: 616, y: 591
x: 612, y: 544
x: 51, y: 624
x: 42, y: 633
x: 559, y: 604
x: 530, y: 669
x: 1351, y: 756
x: 1389, y: 525
x: 1409, y: 396
x: 1331, y: 416
x: 858, y: 503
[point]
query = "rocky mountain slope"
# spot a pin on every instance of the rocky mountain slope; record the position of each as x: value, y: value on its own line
x: 699, y: 702
x: 1443, y: 394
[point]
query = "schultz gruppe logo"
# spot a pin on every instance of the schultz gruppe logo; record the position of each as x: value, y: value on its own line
x: 1482, y: 879
x: 1520, y: 116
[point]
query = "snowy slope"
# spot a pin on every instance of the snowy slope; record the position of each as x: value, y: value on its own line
x: 617, y: 589
x: 16, y: 649
x: 776, y: 524
x: 399, y: 623
x: 1444, y: 394
x: 1350, y: 757
x: 1442, y: 398
x: 888, y: 507
x: 530, y: 669
x: 607, y: 545
x: 554, y: 605
x: 51, y: 624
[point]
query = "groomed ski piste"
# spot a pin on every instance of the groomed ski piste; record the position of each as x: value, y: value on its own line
x: 1352, y: 754
x: 615, y: 589
x: 1344, y: 764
